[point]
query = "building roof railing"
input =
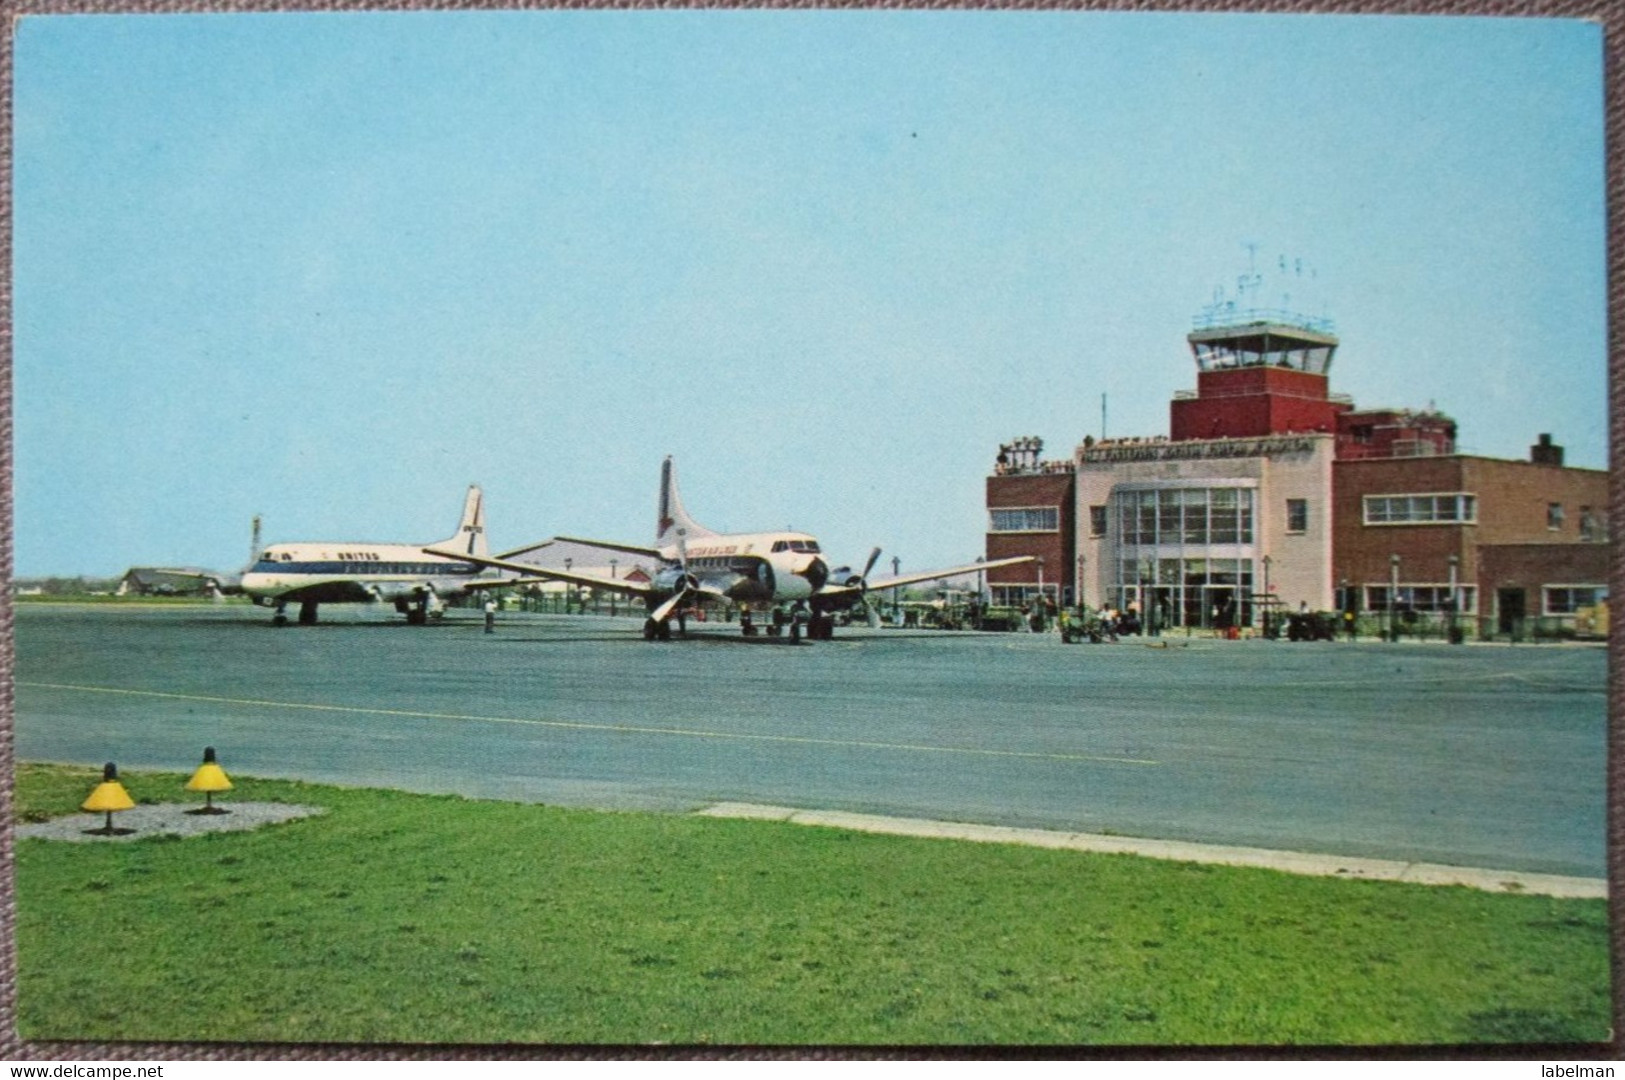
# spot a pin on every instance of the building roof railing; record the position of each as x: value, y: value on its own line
x: 1223, y: 316
x: 1162, y: 448
x: 1041, y: 469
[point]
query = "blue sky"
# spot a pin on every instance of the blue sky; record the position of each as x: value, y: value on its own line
x: 331, y: 268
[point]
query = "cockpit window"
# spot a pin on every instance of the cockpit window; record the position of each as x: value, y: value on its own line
x: 268, y: 556
x: 781, y: 545
x: 287, y: 556
x: 809, y: 546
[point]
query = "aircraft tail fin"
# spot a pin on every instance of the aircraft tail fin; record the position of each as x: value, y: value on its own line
x: 673, y: 518
x: 254, y: 543
x: 470, y: 535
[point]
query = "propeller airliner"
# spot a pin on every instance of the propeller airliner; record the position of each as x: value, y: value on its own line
x: 694, y: 564
x: 354, y: 572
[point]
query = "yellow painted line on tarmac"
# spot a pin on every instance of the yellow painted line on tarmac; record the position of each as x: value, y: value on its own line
x: 575, y: 725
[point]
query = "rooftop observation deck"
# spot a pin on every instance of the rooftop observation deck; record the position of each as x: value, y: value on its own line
x: 1226, y: 338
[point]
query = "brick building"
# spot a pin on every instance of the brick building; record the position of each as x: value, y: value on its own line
x: 1517, y: 538
x: 1031, y: 511
x: 1272, y: 491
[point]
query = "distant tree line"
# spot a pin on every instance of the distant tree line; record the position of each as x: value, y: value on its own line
x: 66, y: 586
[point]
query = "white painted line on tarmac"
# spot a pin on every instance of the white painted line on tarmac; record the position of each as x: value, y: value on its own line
x: 620, y: 729
x: 1291, y: 862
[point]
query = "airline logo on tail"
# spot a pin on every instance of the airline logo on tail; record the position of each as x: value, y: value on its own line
x: 473, y: 525
x: 674, y: 525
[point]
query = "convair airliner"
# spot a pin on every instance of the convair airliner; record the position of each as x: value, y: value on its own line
x: 344, y: 572
x: 696, y: 564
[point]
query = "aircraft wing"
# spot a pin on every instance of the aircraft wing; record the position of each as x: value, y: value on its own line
x: 630, y: 588
x: 932, y: 575
x: 630, y: 549
x: 526, y: 550
x: 504, y: 583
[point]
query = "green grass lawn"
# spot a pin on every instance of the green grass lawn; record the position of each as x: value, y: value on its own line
x: 409, y: 918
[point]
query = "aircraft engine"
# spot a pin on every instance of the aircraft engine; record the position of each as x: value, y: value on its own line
x: 816, y: 571
x: 673, y: 580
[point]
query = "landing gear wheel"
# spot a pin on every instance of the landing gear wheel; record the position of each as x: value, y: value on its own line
x: 307, y: 614
x: 416, y: 617
x: 665, y: 630
x: 651, y: 629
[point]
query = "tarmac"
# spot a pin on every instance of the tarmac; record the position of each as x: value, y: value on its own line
x: 1290, y: 862
x: 1418, y: 755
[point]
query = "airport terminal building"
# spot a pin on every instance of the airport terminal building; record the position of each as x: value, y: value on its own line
x: 1272, y: 492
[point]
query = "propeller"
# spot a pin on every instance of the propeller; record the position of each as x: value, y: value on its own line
x: 862, y: 583
x: 663, y: 612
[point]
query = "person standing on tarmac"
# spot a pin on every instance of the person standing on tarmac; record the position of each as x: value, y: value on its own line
x: 491, y: 615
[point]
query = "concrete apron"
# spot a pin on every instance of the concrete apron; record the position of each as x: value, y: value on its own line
x: 1291, y: 862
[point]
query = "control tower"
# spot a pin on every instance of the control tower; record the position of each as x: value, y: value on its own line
x: 1260, y: 371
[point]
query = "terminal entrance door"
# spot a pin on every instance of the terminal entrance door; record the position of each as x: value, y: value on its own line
x: 1509, y: 606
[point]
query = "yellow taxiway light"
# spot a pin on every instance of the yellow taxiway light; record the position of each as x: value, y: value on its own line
x: 108, y: 797
x: 209, y: 778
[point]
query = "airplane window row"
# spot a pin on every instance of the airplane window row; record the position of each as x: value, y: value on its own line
x: 372, y: 569
x: 712, y: 562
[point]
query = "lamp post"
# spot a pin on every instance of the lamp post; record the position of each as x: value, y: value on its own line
x: 1393, y: 598
x: 1041, y: 583
x: 980, y: 599
x: 568, y: 588
x: 1148, y: 578
x: 1077, y: 593
x: 896, y: 605
x: 614, y: 596
x: 1451, y: 633
x: 1269, y: 607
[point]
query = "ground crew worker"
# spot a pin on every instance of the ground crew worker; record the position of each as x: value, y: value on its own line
x: 491, y: 615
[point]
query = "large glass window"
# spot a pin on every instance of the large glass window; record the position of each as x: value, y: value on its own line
x: 1196, y: 531
x: 1191, y: 517
x: 1027, y: 519
x: 1421, y: 598
x: 1168, y: 539
x: 1567, y: 599
x: 1188, y: 592
x: 1447, y: 508
x: 1224, y: 520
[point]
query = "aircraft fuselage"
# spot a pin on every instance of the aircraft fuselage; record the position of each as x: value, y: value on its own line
x: 746, y: 568
x: 340, y: 573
